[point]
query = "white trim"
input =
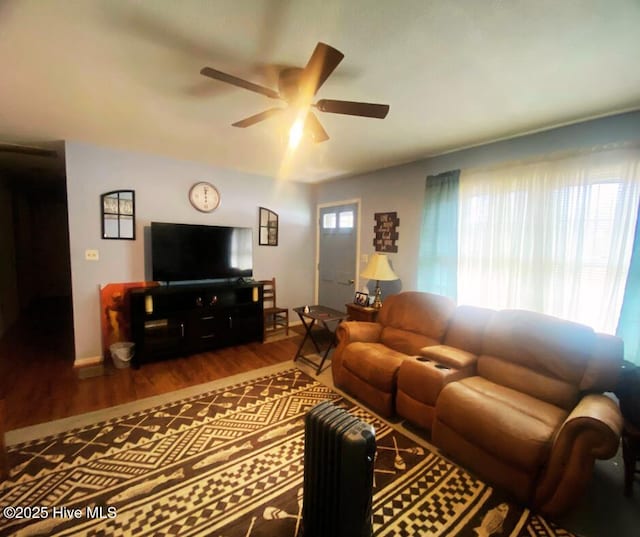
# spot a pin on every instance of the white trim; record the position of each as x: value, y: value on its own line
x: 358, y: 203
x: 89, y: 361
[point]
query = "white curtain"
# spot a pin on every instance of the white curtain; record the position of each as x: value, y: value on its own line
x: 552, y: 236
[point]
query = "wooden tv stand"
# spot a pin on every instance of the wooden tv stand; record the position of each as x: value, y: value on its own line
x: 178, y: 320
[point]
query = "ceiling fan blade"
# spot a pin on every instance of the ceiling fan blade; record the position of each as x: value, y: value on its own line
x: 27, y: 150
x: 241, y: 83
x: 351, y: 108
x: 252, y: 120
x: 315, y: 128
x: 322, y: 63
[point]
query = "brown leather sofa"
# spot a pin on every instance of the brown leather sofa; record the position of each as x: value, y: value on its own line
x: 515, y: 396
x: 368, y: 356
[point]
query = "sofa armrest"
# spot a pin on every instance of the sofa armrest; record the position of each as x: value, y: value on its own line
x: 450, y: 356
x: 591, y: 431
x: 351, y: 331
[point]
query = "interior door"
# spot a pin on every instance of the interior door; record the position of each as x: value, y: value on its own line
x: 337, y: 256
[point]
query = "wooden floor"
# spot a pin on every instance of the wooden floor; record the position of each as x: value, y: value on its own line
x: 40, y: 385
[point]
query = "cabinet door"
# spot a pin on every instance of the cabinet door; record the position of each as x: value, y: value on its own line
x: 245, y: 323
x: 164, y: 336
x: 210, y: 330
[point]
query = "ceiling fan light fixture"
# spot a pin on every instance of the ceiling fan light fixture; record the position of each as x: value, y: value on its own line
x: 296, y: 132
x: 298, y: 87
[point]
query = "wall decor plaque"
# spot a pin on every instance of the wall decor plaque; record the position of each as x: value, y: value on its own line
x: 385, y: 231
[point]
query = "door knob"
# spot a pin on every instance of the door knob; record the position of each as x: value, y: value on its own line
x: 351, y: 282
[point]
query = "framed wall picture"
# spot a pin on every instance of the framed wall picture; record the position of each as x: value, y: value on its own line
x: 268, y: 228
x: 118, y: 214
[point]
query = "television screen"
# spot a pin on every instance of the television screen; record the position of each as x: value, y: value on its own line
x: 182, y: 252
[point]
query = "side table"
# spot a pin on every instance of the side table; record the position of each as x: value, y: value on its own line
x: 362, y: 313
x: 630, y: 454
x: 329, y: 319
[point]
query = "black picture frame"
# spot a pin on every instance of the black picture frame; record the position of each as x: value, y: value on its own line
x: 118, y: 210
x: 267, y: 227
x: 361, y: 299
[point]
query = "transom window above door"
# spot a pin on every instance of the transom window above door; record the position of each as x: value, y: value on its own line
x: 339, y: 220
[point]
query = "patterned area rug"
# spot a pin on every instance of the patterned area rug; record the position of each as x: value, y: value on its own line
x: 229, y: 463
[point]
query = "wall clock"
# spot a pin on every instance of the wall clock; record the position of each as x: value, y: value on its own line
x: 204, y: 197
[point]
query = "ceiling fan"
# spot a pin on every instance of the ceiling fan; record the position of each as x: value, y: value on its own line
x: 297, y: 87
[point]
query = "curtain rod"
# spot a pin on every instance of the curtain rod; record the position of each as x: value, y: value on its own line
x: 558, y: 155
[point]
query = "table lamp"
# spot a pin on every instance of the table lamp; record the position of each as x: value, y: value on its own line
x: 378, y: 269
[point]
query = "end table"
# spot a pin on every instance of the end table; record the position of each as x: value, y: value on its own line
x: 329, y: 319
x: 362, y: 313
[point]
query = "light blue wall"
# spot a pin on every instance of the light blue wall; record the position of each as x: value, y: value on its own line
x: 401, y: 188
x: 161, y: 186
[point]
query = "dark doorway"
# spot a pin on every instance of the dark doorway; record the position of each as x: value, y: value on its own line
x: 35, y: 272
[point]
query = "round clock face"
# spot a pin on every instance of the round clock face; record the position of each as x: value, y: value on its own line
x: 204, y: 197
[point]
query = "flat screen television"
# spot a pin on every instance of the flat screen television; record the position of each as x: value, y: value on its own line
x: 187, y: 252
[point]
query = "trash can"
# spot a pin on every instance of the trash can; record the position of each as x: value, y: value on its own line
x: 121, y: 353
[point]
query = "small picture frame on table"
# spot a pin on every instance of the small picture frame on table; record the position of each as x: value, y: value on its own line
x: 361, y: 299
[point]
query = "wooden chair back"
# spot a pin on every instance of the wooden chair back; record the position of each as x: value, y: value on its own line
x: 275, y: 318
x: 269, y: 290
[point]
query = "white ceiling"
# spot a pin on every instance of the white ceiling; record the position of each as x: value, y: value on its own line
x: 455, y: 73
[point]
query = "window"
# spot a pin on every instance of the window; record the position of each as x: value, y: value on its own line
x: 345, y: 220
x: 329, y: 221
x: 554, y: 237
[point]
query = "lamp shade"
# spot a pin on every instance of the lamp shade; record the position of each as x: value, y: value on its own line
x: 378, y: 268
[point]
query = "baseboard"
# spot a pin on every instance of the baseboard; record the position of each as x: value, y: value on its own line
x: 88, y: 361
x: 91, y: 366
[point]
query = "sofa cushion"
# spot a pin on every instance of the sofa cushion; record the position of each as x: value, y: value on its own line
x: 421, y: 313
x: 466, y: 328
x: 405, y: 341
x: 522, y: 379
x: 551, y: 346
x: 374, y: 363
x: 505, y: 423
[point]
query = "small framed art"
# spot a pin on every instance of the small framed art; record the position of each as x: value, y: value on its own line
x: 362, y: 299
x: 268, y: 228
x: 118, y: 214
